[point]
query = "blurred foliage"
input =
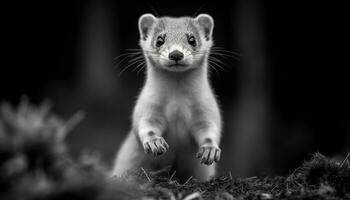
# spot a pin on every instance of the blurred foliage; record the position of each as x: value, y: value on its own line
x: 35, y: 164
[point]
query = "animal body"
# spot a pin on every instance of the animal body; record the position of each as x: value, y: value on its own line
x: 176, y: 121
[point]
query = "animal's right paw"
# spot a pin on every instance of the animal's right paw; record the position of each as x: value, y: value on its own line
x: 155, y: 145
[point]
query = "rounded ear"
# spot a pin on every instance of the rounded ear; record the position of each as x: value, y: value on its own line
x: 206, y: 23
x: 146, y: 22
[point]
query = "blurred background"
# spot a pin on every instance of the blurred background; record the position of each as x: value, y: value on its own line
x: 284, y: 99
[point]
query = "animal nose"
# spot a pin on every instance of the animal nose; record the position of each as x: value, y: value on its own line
x: 176, y: 55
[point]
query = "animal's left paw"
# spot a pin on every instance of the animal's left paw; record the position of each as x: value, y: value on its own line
x: 208, y: 153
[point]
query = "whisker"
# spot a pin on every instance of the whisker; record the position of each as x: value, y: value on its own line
x: 126, y: 54
x: 136, y: 58
x: 216, y: 71
x: 143, y: 67
x: 226, y: 51
x: 218, y: 60
x: 158, y: 57
x: 141, y: 64
x: 227, y: 59
x: 128, y: 66
x: 122, y: 60
x: 218, y: 53
x: 225, y: 56
x: 212, y: 62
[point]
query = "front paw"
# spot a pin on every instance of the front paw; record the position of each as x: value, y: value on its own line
x: 208, y: 153
x: 155, y: 145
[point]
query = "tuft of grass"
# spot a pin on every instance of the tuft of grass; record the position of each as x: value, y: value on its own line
x: 35, y: 164
x: 322, y: 171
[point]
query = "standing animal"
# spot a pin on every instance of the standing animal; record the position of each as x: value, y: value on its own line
x: 176, y: 118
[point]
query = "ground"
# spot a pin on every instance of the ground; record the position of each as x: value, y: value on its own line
x: 35, y: 164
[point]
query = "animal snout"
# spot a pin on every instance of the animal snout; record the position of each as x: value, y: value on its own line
x: 176, y: 55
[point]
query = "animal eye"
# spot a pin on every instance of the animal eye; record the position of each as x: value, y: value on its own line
x: 192, y: 41
x: 160, y: 41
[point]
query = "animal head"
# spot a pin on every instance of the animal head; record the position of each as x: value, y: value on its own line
x: 176, y: 44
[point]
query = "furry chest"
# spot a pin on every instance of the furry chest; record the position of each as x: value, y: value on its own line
x: 178, y: 114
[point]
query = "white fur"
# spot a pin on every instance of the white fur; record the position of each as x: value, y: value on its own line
x: 180, y: 109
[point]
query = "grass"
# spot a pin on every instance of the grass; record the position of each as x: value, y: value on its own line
x: 35, y: 164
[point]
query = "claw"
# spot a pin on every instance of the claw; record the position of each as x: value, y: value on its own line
x: 155, y: 145
x: 147, y: 148
x: 208, y: 154
x: 200, y: 152
x: 217, y: 155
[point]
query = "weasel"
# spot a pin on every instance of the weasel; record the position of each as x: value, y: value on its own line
x: 176, y: 117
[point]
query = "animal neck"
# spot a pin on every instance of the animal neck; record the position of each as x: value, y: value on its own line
x: 192, y: 79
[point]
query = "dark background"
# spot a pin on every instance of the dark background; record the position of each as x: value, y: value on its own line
x: 285, y: 98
